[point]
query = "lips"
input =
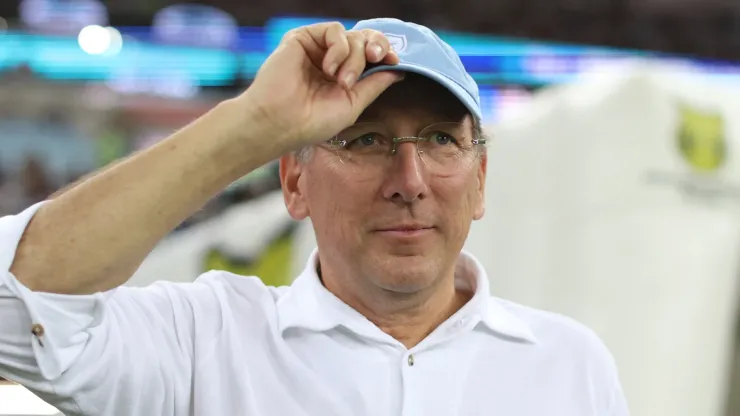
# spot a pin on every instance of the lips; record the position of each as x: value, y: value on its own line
x: 405, y: 228
x: 405, y: 232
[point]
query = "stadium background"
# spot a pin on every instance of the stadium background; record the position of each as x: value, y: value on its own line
x: 84, y: 82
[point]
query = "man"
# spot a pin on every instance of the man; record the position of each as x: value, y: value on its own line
x: 388, y: 318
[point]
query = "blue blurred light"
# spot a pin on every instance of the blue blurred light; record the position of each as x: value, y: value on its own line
x: 489, y: 59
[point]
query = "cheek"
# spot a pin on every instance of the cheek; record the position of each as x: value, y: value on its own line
x: 459, y: 199
x: 333, y: 192
x: 340, y: 188
x: 459, y: 191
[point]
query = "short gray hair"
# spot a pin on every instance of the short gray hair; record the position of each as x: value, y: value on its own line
x: 303, y: 154
x: 482, y: 149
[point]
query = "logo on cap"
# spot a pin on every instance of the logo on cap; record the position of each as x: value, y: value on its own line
x: 398, y: 42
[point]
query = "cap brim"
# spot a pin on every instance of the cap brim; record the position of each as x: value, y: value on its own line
x: 451, y: 85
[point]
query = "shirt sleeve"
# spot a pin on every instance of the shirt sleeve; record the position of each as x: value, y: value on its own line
x: 619, y: 405
x: 124, y: 352
x: 616, y: 400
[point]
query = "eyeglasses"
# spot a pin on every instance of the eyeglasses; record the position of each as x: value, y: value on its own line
x: 443, y: 147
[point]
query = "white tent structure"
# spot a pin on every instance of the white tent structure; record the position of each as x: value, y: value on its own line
x: 616, y: 201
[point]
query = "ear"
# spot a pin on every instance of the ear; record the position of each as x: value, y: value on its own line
x: 291, y: 170
x: 480, y: 207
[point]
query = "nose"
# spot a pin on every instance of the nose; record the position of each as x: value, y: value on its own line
x: 406, y: 180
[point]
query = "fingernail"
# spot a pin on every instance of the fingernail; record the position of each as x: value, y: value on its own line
x: 399, y: 77
x: 349, y: 79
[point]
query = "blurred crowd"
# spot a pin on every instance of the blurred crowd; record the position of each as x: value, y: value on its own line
x: 34, y: 183
x: 31, y: 184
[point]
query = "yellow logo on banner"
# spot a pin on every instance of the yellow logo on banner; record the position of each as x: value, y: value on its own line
x: 272, y: 265
x: 701, y: 139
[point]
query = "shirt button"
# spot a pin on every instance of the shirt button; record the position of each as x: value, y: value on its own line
x: 37, y: 330
x: 411, y: 360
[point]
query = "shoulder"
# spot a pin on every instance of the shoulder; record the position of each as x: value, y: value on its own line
x: 239, y: 286
x: 563, y: 339
x: 211, y: 300
x: 216, y: 306
x: 550, y: 328
x: 564, y: 343
x: 227, y: 293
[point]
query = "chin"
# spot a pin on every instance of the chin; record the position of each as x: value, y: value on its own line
x: 406, y: 274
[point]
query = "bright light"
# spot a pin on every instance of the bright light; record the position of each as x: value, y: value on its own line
x: 116, y: 41
x: 98, y: 40
x: 94, y: 39
x: 16, y: 400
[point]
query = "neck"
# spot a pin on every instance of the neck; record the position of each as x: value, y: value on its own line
x: 407, y: 317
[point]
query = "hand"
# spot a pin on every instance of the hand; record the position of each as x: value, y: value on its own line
x: 308, y: 90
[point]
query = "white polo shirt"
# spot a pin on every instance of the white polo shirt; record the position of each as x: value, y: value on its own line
x: 229, y: 345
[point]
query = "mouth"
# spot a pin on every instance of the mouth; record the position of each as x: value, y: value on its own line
x: 405, y: 231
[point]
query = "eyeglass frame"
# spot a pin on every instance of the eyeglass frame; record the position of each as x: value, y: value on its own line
x: 409, y: 139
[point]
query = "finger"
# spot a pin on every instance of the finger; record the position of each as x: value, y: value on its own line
x: 335, y: 39
x: 391, y: 58
x: 355, y: 62
x: 379, y: 48
x: 316, y: 40
x: 369, y: 89
x: 324, y: 33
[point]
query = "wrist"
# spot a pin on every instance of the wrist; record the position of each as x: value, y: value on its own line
x: 250, y: 133
x: 259, y: 127
x: 229, y: 142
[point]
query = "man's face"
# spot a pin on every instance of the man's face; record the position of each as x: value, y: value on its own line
x: 400, y: 227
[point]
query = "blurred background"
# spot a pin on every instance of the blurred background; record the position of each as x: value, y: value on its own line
x: 86, y: 82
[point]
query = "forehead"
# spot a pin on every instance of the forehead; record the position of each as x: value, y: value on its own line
x: 418, y: 97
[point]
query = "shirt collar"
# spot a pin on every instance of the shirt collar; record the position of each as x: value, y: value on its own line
x: 309, y: 305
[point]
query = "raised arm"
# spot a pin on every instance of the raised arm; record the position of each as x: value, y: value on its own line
x: 130, y: 351
x: 94, y: 236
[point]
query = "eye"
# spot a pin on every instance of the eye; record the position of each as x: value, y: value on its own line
x: 367, y: 139
x: 442, y: 138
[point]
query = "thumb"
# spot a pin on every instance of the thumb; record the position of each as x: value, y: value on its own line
x: 369, y: 88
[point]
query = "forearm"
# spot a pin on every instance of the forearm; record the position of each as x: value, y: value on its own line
x: 95, y: 235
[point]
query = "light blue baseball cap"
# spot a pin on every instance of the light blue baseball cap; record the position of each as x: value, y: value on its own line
x: 423, y: 52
